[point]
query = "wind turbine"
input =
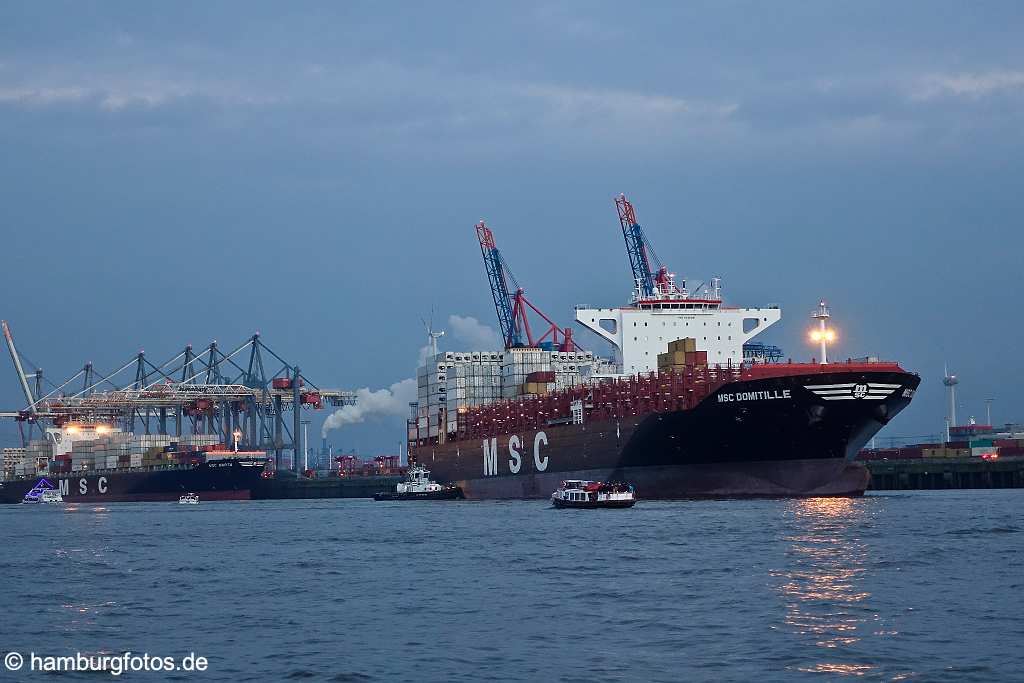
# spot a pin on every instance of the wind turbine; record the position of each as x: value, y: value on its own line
x: 432, y: 336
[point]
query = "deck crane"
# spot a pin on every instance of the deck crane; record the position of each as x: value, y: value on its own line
x: 650, y: 283
x: 511, y: 303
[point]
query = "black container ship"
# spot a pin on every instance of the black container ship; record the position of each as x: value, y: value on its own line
x: 230, y: 478
x: 93, y: 461
x: 690, y: 405
x: 772, y: 430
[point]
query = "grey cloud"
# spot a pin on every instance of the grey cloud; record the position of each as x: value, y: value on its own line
x: 974, y: 86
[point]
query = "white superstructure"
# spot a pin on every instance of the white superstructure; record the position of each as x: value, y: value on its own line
x: 642, y: 330
x: 418, y: 481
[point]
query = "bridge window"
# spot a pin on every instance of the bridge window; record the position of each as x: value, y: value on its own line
x: 751, y: 324
x: 609, y: 325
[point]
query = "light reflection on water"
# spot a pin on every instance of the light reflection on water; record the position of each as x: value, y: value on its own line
x: 766, y: 590
x: 821, y: 587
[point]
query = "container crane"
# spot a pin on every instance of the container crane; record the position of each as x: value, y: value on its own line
x: 658, y: 283
x: 16, y: 359
x: 212, y: 392
x: 649, y: 283
x: 511, y: 303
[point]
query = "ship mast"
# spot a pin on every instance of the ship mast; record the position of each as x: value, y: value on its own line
x: 823, y: 334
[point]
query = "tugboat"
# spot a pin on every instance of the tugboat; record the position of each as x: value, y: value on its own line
x: 591, y: 495
x: 419, y: 487
x: 189, y: 499
x: 43, y: 492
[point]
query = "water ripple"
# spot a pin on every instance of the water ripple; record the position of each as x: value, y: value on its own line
x: 888, y: 587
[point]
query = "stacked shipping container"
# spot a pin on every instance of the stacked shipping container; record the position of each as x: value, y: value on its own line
x: 475, y: 369
x: 110, y: 450
x: 451, y: 383
x: 23, y: 461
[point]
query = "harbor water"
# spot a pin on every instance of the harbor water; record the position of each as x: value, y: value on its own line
x: 917, y: 585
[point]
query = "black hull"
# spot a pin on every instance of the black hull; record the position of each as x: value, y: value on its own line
x: 765, y: 437
x: 222, y: 480
x: 454, y: 493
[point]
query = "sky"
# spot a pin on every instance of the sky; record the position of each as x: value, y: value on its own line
x: 174, y: 173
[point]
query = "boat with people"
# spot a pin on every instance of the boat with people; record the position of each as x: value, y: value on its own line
x: 419, y: 486
x: 593, y: 495
x: 189, y: 499
x: 43, y: 492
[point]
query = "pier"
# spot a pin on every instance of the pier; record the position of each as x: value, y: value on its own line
x: 946, y: 473
x: 332, y: 487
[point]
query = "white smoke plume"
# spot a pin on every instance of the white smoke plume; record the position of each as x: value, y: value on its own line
x: 391, y: 401
x: 395, y: 399
x: 472, y: 332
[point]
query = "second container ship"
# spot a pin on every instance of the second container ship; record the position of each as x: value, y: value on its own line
x: 90, y: 462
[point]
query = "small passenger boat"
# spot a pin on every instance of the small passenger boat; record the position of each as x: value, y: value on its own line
x: 43, y: 492
x: 592, y: 495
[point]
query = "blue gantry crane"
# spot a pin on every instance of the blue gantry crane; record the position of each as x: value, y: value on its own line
x: 233, y: 395
x: 498, y: 275
x: 511, y: 303
x: 637, y: 247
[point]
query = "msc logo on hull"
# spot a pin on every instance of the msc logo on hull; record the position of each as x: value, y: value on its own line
x: 83, y: 486
x: 853, y: 391
x: 515, y: 459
